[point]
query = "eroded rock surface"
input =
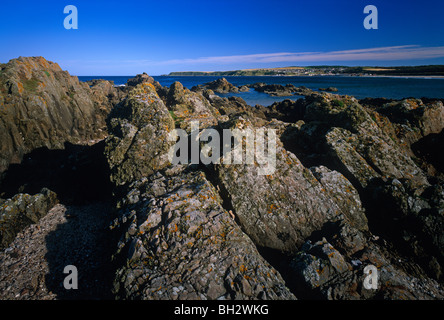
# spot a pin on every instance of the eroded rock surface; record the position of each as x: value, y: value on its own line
x: 43, y: 106
x: 354, y: 184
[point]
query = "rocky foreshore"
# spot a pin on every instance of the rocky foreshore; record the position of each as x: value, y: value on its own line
x: 356, y: 183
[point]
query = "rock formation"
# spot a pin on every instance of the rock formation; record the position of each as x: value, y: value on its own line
x: 43, y: 106
x: 278, y: 90
x: 340, y: 178
x: 355, y: 184
x: 22, y: 210
x: 220, y: 86
x: 329, y: 89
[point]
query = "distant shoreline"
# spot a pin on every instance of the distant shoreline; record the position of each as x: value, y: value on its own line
x: 309, y: 76
x: 433, y: 71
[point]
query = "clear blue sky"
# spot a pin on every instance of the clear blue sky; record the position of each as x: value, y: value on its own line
x: 130, y: 37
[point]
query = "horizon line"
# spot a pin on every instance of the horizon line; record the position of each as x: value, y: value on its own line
x: 264, y: 68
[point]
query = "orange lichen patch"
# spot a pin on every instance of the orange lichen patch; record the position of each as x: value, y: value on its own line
x: 414, y: 105
x: 158, y: 289
x: 272, y: 208
x: 140, y: 233
x: 20, y: 87
x: 242, y: 268
x: 320, y: 271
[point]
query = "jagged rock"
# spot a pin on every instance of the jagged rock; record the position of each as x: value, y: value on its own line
x: 344, y: 112
x: 278, y: 90
x: 412, y: 119
x: 178, y: 242
x: 287, y: 110
x: 281, y: 209
x: 368, y: 156
x: 322, y: 272
x: 104, y: 92
x: 22, y: 210
x: 185, y: 106
x: 427, y: 118
x: 345, y: 191
x: 429, y: 150
x: 235, y: 106
x: 139, y: 79
x: 220, y: 86
x: 43, y: 106
x: 182, y: 244
x: 355, y: 144
x: 318, y: 264
x: 138, y: 143
x: 394, y: 204
x: 275, y: 90
x: 398, y: 278
x: 329, y: 89
x: 243, y: 89
x: 347, y: 157
x: 344, y: 195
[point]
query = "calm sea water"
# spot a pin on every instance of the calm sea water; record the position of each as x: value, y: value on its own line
x: 359, y: 87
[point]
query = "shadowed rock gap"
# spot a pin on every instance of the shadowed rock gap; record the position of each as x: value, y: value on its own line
x: 84, y: 242
x: 384, y: 215
x: 276, y: 258
x: 430, y: 148
x: 79, y: 175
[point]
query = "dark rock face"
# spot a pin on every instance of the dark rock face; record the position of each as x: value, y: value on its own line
x: 180, y: 243
x: 429, y: 150
x: 42, y: 109
x: 140, y: 78
x: 43, y: 106
x: 220, y: 86
x: 186, y: 106
x: 341, y: 176
x: 22, y: 210
x: 281, y: 215
x: 354, y: 184
x: 276, y: 90
x: 329, y: 89
x: 137, y: 144
x: 287, y: 110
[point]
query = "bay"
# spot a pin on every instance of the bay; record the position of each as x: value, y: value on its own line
x: 359, y: 87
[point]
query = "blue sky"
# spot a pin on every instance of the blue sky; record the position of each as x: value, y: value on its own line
x: 157, y: 37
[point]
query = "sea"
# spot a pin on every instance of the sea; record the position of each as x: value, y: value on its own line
x: 360, y: 87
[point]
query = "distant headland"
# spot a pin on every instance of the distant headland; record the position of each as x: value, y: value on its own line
x: 426, y: 70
